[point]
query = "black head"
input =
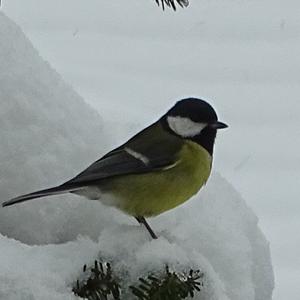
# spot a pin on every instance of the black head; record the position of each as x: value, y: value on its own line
x: 193, y: 119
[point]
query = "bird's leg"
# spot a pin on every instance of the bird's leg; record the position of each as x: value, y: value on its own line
x: 143, y: 221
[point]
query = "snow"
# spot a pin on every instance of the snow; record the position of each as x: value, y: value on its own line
x: 43, y: 123
x: 48, y: 133
x: 216, y: 231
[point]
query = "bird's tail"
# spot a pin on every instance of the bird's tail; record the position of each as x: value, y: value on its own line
x: 61, y: 189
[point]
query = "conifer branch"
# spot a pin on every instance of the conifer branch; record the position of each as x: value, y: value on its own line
x: 170, y: 286
x: 102, y: 284
x: 172, y: 3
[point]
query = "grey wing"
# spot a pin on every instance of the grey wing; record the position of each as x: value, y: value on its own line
x: 116, y: 163
x: 126, y: 160
x: 149, y: 150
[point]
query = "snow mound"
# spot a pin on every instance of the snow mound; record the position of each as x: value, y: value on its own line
x: 48, y: 133
x: 215, y: 232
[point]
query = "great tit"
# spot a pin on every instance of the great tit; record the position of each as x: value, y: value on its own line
x: 156, y: 170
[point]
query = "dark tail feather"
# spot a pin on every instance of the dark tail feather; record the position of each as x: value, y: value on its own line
x: 61, y: 189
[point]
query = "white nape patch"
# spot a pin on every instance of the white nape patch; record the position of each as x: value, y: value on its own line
x: 185, y: 127
x: 137, y: 155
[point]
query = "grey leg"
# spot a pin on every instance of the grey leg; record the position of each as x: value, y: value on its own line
x: 143, y: 221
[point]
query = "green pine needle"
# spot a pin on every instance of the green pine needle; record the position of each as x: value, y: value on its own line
x: 169, y: 286
x: 101, y: 284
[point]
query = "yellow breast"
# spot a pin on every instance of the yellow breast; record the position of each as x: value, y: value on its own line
x: 153, y: 193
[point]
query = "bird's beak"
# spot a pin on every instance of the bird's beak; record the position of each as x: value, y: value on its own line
x: 218, y: 125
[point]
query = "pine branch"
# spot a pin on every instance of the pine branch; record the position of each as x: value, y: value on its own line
x: 101, y: 284
x: 172, y: 3
x: 171, y: 286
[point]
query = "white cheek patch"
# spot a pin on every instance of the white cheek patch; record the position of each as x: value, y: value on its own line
x: 185, y: 127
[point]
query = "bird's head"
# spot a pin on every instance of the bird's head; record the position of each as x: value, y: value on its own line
x: 195, y: 120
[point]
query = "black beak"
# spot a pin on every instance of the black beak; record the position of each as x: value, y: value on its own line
x: 218, y: 125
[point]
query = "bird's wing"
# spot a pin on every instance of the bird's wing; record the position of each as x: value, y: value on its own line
x: 156, y: 151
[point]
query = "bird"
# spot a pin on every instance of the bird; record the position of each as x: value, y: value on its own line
x: 156, y: 170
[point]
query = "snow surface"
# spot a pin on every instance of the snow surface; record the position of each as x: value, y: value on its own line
x: 48, y: 133
x: 222, y: 239
x: 44, y: 126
